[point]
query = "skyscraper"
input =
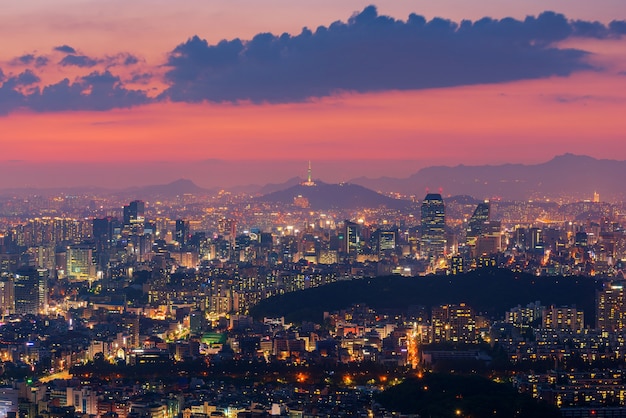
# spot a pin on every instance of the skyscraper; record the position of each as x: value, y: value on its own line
x: 7, y: 299
x: 134, y: 212
x: 433, y: 242
x: 352, y: 238
x: 476, y: 224
x: 30, y: 290
x: 611, y: 307
x: 182, y: 232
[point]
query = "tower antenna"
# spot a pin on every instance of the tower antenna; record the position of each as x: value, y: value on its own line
x: 309, y: 176
x: 309, y: 180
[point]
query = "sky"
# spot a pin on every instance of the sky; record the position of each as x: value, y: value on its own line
x: 227, y: 92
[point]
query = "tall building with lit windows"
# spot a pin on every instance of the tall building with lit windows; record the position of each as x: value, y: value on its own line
x: 30, y: 290
x: 134, y: 212
x: 352, y: 238
x: 433, y: 243
x: 182, y: 232
x: 455, y: 323
x: 611, y: 307
x: 7, y: 298
x: 476, y: 224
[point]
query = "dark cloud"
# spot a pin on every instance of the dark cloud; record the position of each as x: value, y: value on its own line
x: 10, y: 98
x: 124, y: 59
x: 26, y: 78
x: 373, y: 53
x: 141, y: 78
x: 25, y: 59
x: 65, y: 48
x: 618, y: 27
x: 131, y: 60
x: 31, y: 59
x: 96, y: 91
x: 41, y: 61
x: 78, y: 61
x: 23, y: 79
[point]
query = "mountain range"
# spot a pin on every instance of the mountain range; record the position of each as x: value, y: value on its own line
x: 566, y: 175
x: 574, y: 177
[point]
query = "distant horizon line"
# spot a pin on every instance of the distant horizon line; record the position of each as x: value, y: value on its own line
x: 124, y: 175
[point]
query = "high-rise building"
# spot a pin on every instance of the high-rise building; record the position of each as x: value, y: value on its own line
x: 7, y: 297
x: 564, y: 318
x: 453, y: 323
x: 104, y: 238
x: 476, y: 224
x: 352, y: 238
x: 386, y: 242
x: 182, y: 234
x: 611, y: 307
x: 30, y: 290
x: 134, y: 212
x: 80, y: 265
x: 536, y: 240
x: 433, y: 242
x: 103, y: 232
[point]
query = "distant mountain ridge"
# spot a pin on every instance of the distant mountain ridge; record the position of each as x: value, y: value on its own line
x: 334, y: 196
x: 567, y: 174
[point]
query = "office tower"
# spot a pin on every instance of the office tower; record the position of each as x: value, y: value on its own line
x: 134, y: 212
x: 30, y: 290
x: 476, y: 224
x: 581, y: 239
x: 352, y: 238
x: 433, y: 242
x: 182, y: 234
x: 80, y: 265
x: 103, y: 232
x: 104, y: 238
x: 536, y: 240
x: 386, y: 242
x: 611, y: 307
x: 228, y: 229
x: 7, y: 298
x: 522, y: 240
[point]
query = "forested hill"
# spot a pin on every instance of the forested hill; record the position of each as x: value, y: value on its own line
x: 488, y: 291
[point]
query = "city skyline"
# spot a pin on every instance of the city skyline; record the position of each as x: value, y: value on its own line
x: 98, y: 87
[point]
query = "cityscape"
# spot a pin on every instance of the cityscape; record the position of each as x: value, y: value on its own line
x: 102, y: 299
x: 305, y: 209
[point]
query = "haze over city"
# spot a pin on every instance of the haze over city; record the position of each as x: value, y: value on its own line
x: 131, y: 94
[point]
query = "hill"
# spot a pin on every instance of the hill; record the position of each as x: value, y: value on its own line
x: 489, y: 291
x: 448, y: 395
x: 325, y: 196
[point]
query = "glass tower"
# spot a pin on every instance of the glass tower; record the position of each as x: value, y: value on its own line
x: 433, y: 243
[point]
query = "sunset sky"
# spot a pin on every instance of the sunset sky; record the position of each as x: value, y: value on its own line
x: 228, y: 92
